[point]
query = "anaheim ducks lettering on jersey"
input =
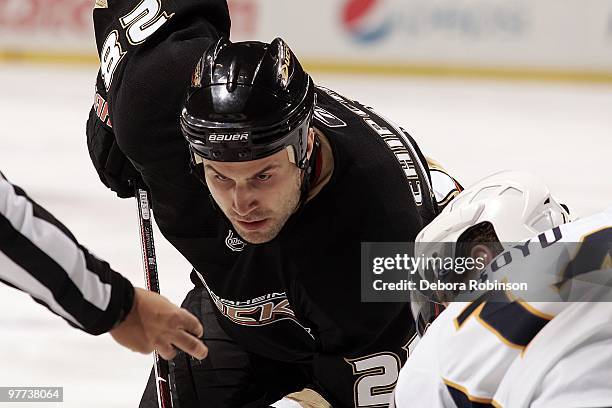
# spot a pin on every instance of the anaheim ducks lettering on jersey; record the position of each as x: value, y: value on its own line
x: 469, y: 348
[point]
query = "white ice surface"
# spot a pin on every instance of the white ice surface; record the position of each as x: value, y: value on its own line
x: 562, y: 132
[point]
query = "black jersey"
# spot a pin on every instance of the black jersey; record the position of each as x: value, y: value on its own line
x: 298, y: 295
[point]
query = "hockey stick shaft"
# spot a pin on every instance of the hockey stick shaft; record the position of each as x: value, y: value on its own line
x: 162, y: 369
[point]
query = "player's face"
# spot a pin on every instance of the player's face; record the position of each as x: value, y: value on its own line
x: 256, y: 196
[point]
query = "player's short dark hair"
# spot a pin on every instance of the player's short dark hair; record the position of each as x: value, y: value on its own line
x: 480, y: 234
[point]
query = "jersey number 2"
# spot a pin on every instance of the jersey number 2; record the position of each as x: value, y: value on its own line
x: 143, y: 21
x: 139, y: 24
x: 378, y: 376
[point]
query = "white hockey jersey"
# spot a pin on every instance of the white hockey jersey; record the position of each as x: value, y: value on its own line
x: 567, y: 365
x: 469, y: 349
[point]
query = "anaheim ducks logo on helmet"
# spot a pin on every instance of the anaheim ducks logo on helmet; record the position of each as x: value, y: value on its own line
x: 284, y: 63
x: 196, y: 78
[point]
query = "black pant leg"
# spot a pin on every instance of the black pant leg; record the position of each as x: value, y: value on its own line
x: 180, y: 372
x: 149, y: 396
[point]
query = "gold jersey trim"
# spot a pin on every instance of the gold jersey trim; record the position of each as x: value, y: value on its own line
x: 464, y: 391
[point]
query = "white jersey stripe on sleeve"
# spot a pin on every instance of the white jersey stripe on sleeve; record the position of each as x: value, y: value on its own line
x: 18, y: 210
x: 16, y: 276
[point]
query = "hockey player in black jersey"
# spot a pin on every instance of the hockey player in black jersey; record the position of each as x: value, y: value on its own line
x: 289, y: 179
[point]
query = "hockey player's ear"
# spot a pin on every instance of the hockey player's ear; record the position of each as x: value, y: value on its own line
x: 483, y: 252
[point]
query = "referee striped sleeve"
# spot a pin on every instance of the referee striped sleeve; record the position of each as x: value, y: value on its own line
x: 40, y: 256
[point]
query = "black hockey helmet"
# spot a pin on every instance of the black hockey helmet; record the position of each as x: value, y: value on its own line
x: 248, y: 100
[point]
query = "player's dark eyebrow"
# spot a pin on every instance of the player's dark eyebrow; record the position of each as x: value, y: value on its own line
x: 265, y: 169
x: 210, y: 167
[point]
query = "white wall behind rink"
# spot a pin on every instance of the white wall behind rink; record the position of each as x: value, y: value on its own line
x: 549, y: 35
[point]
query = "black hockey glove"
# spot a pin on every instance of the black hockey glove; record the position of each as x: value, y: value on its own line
x: 113, y: 167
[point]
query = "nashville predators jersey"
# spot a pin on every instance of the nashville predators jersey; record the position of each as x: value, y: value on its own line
x: 568, y: 364
x: 469, y: 349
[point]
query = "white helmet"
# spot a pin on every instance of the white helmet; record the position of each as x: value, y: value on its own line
x: 516, y: 203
